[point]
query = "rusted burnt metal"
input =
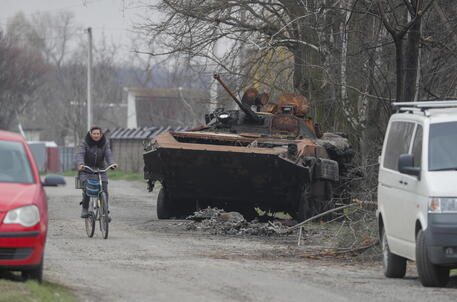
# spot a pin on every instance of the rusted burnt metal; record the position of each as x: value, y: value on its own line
x: 245, y: 107
x: 252, y: 97
x: 241, y: 159
x: 298, y: 102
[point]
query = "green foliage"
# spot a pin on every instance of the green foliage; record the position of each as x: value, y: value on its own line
x: 12, y: 291
x: 279, y: 215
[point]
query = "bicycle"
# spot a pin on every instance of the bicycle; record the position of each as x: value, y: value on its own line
x: 98, y: 206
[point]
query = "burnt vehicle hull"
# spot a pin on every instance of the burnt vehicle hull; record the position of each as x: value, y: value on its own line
x: 234, y: 172
x: 231, y: 177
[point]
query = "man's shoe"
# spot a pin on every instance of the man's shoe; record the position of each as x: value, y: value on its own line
x: 84, y: 213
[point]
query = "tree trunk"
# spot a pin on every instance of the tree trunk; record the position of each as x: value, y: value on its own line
x: 300, y: 83
x: 399, y: 67
x: 365, y: 109
x: 412, y: 61
x: 346, y: 105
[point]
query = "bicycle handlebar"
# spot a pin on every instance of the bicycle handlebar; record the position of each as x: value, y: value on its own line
x: 99, y: 170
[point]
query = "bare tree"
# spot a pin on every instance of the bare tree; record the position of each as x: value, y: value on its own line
x: 195, y: 27
x: 438, y: 56
x: 62, y: 98
x: 406, y: 20
x: 21, y: 73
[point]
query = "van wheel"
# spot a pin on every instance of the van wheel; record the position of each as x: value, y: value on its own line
x: 429, y: 274
x: 394, y: 265
x: 163, y: 205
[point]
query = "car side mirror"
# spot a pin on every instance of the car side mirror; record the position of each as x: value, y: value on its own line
x: 406, y: 165
x: 53, y: 180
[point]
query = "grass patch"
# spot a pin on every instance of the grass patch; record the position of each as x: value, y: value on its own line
x: 123, y: 175
x: 12, y: 291
x: 113, y: 175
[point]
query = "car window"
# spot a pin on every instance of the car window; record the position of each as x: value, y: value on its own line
x: 442, y: 146
x: 398, y: 141
x: 417, y: 147
x: 14, y: 163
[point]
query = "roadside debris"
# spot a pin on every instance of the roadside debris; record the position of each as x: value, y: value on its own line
x: 218, y: 222
x: 340, y: 252
x: 351, y: 236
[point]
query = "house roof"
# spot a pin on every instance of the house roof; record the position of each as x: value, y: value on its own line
x: 142, y: 133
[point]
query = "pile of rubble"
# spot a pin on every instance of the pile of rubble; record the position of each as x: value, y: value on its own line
x: 218, y: 222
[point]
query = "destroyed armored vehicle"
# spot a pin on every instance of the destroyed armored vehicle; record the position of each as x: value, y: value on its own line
x: 273, y: 158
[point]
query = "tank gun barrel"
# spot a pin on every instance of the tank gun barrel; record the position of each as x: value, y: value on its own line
x: 251, y: 114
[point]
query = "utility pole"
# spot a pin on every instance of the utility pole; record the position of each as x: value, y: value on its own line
x: 89, y: 81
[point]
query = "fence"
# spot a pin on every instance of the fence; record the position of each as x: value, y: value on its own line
x: 47, y: 155
x: 67, y: 158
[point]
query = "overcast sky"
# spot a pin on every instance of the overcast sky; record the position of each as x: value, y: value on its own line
x: 114, y: 17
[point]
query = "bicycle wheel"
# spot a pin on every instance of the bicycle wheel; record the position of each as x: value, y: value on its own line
x: 104, y: 220
x: 90, y: 224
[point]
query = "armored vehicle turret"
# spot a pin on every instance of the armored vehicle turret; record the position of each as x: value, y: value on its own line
x: 273, y: 158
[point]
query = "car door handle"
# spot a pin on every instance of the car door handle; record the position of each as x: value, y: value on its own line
x: 403, y: 182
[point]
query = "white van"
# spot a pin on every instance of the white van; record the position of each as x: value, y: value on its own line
x: 417, y: 191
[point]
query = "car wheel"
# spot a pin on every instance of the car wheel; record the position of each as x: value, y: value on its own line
x: 429, y: 274
x: 163, y: 205
x: 394, y: 265
x: 35, y: 273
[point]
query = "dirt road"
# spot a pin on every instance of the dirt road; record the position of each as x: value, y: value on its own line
x: 149, y: 260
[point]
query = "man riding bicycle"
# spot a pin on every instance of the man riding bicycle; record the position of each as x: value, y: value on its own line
x: 94, y: 151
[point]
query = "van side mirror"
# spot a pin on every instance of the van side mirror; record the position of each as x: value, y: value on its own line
x: 406, y: 165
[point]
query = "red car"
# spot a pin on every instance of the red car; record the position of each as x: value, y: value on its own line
x: 23, y: 208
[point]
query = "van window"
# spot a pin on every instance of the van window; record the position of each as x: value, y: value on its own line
x: 398, y: 142
x: 442, y: 146
x: 417, y: 147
